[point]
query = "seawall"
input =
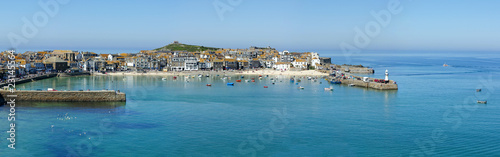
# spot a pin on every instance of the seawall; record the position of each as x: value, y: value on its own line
x: 26, y: 80
x: 374, y: 85
x: 73, y: 74
x: 66, y: 96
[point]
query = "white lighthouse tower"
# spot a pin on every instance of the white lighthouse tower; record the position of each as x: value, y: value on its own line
x: 386, y: 75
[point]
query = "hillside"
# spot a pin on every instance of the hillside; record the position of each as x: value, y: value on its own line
x: 185, y: 47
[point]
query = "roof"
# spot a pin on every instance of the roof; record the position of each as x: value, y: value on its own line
x: 61, y: 51
x: 53, y: 60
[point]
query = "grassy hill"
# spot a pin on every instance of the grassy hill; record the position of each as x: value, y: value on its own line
x: 185, y: 47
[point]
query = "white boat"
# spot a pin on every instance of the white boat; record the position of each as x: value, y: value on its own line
x: 351, y: 85
x: 164, y: 79
x: 329, y: 89
x: 300, y: 87
x: 200, y: 75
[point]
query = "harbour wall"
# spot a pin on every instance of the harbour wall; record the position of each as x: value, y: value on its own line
x: 375, y: 85
x: 73, y: 74
x: 31, y: 79
x: 64, y: 96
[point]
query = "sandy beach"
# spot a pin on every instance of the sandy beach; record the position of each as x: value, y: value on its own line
x: 246, y: 72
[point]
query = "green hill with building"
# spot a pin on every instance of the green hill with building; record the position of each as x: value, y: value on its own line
x: 176, y: 46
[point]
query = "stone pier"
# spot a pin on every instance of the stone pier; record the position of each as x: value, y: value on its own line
x: 64, y: 96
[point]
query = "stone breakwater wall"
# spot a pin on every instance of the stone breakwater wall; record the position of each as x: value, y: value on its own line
x: 65, y: 96
x: 73, y: 74
x: 381, y: 86
x: 26, y: 80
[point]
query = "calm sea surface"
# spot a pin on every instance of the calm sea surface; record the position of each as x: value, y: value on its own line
x: 434, y: 113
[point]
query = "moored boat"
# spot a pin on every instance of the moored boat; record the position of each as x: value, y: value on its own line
x: 209, y: 85
x: 482, y: 102
x: 230, y: 84
x: 238, y: 80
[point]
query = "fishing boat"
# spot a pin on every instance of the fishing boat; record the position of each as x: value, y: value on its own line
x: 230, y: 84
x: 209, y: 85
x: 482, y: 102
x: 238, y: 80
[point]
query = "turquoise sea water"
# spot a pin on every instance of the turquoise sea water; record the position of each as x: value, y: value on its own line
x: 433, y: 113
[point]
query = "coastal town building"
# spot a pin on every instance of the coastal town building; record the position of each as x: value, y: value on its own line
x: 165, y: 60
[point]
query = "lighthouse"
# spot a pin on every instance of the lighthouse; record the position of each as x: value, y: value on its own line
x: 386, y: 75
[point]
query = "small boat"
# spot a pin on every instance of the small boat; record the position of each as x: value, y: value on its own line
x: 329, y: 89
x: 335, y: 82
x: 351, y: 85
x: 273, y: 83
x: 163, y: 79
x: 445, y: 65
x: 210, y: 85
x: 247, y: 80
x: 478, y: 90
x: 207, y: 75
x: 253, y: 80
x: 298, y: 80
x: 300, y: 87
x: 230, y: 84
x: 292, y: 80
x: 200, y: 75
x: 296, y: 83
x: 175, y: 77
x: 265, y: 86
x: 242, y: 76
x: 238, y: 80
x: 482, y: 102
x: 260, y: 75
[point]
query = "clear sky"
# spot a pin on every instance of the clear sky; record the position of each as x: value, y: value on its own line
x: 286, y: 24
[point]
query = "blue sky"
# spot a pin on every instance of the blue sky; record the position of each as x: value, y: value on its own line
x: 293, y: 24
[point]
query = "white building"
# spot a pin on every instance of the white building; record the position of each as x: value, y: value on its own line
x: 300, y: 63
x: 282, y: 66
